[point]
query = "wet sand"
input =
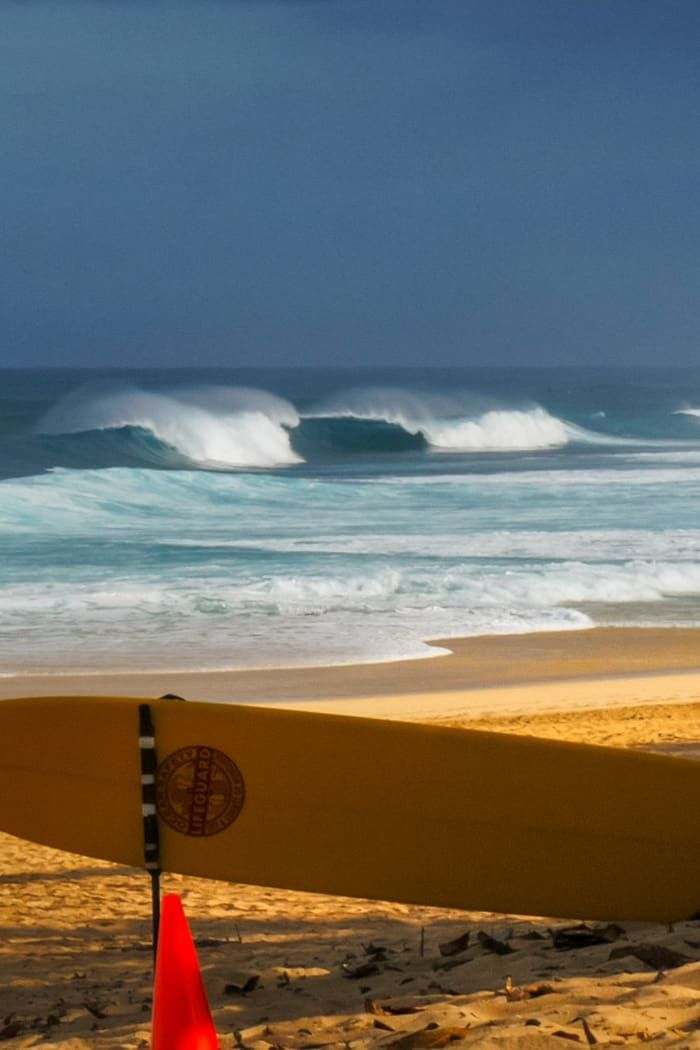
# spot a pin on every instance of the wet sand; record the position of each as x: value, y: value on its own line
x: 471, y: 664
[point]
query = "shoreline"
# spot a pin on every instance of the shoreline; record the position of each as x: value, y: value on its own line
x: 485, y: 676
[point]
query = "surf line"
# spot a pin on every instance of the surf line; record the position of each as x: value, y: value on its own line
x: 151, y: 842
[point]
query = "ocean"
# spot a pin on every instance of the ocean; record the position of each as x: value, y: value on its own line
x: 207, y: 519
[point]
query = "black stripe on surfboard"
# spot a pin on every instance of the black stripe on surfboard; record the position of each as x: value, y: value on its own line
x: 147, y: 750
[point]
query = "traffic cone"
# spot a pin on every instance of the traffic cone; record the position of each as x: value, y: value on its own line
x: 181, y: 1018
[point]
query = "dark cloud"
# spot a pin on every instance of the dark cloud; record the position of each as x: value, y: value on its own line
x: 320, y: 181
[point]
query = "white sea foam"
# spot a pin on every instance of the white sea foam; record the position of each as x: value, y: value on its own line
x: 345, y: 612
x: 487, y: 592
x: 596, y: 544
x: 499, y: 430
x: 572, y: 582
x: 537, y: 479
x: 283, y: 621
x: 220, y: 427
x: 687, y: 455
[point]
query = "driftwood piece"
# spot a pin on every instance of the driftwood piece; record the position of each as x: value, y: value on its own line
x: 454, y: 947
x: 584, y: 936
x: 515, y: 994
x: 492, y: 945
x: 373, y: 1006
x: 243, y: 989
x: 427, y: 1038
x: 11, y: 1029
x: 377, y: 952
x: 654, y: 955
x: 354, y: 973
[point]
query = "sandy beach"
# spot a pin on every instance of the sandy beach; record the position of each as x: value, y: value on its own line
x: 349, y: 531
x: 295, y: 970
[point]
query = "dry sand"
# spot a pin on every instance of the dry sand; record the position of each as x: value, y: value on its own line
x: 298, y: 970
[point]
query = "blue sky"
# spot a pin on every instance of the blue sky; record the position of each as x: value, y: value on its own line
x: 350, y: 182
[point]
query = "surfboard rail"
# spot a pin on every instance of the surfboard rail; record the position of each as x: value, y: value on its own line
x: 359, y: 806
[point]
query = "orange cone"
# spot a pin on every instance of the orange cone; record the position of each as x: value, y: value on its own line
x: 181, y: 1017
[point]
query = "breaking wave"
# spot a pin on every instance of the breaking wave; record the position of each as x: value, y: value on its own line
x: 243, y: 428
x: 209, y: 426
x: 464, y: 423
x: 500, y: 430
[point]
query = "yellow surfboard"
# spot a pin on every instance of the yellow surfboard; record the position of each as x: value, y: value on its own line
x: 360, y: 807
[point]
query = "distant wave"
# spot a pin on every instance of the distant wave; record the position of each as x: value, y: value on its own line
x: 211, y: 427
x: 466, y: 423
x: 688, y: 412
x: 240, y: 428
x: 494, y: 431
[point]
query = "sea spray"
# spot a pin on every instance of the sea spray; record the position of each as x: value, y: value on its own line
x: 215, y: 428
x: 499, y: 430
x: 459, y: 422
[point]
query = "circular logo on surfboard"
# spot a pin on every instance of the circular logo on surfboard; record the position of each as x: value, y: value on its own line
x: 199, y: 791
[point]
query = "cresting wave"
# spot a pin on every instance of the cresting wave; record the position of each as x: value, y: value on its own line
x: 463, y: 423
x: 240, y: 428
x: 210, y: 426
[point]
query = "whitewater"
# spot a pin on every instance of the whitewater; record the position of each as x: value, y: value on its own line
x: 194, y: 520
